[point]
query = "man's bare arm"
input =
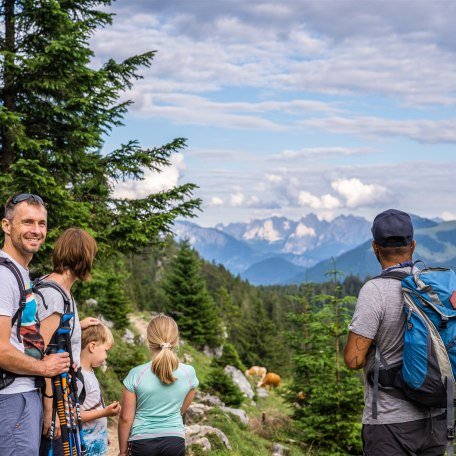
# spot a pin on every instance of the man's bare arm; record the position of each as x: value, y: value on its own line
x: 13, y: 360
x: 355, y: 351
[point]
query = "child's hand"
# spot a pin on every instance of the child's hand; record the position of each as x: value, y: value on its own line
x: 113, y: 409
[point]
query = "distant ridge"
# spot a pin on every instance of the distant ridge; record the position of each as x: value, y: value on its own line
x: 282, y: 251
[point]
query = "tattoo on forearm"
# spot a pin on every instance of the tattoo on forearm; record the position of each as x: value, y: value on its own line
x: 362, y: 343
x: 353, y: 362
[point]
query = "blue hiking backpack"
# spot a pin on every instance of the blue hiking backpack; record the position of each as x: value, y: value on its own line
x: 427, y: 372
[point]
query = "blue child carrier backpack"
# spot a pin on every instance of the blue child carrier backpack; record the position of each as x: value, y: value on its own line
x: 427, y: 373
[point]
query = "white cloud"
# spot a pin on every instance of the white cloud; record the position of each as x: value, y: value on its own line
x: 448, y: 216
x: 215, y: 201
x: 237, y: 199
x: 358, y: 194
x: 422, y: 130
x: 321, y: 153
x: 324, y: 202
x: 153, y: 181
x: 274, y: 178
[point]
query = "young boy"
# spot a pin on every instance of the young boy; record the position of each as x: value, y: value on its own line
x: 95, y: 343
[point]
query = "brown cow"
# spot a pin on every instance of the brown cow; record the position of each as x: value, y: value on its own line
x: 256, y: 370
x: 270, y: 380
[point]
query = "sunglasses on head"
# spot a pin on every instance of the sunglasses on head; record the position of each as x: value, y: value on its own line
x: 25, y: 196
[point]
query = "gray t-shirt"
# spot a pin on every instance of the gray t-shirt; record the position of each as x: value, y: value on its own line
x: 55, y: 304
x: 9, y: 303
x: 379, y: 315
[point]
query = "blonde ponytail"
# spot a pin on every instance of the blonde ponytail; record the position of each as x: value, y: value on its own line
x: 163, y: 337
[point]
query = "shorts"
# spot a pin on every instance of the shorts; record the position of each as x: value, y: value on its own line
x: 426, y: 437
x: 21, y: 423
x: 160, y: 446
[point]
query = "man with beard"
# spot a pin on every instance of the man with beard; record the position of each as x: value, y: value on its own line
x: 21, y: 345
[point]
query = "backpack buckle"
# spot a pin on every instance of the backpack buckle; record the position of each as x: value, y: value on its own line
x: 444, y: 322
x: 450, y: 433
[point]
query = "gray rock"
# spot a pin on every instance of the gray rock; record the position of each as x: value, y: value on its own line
x: 262, y: 392
x: 279, y: 450
x: 195, y: 413
x: 213, y: 352
x: 237, y: 412
x: 240, y: 380
x: 196, y: 431
x: 129, y: 337
x: 203, y: 442
x: 208, y: 399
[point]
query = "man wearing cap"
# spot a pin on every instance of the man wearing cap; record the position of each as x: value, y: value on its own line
x: 21, y: 345
x: 398, y: 427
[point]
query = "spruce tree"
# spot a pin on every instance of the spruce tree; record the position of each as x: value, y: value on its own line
x: 56, y: 110
x: 190, y: 302
x: 327, y: 396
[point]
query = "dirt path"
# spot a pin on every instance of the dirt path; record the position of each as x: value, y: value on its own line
x: 141, y: 326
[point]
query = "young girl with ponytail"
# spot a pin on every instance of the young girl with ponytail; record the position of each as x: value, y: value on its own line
x: 155, y: 396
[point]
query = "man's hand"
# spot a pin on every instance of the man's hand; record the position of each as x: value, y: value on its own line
x: 55, y: 364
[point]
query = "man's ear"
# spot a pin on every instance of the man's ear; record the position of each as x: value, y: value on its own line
x: 412, y: 246
x: 375, y: 248
x: 6, y: 226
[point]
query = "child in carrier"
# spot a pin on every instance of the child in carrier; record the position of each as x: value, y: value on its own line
x: 155, y: 396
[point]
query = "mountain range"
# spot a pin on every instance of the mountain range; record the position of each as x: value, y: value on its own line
x: 281, y: 251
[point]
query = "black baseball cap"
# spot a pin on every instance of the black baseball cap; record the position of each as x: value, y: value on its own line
x: 395, y: 224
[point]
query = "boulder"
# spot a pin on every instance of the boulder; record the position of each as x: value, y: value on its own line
x: 195, y: 413
x: 202, y: 442
x: 240, y: 380
x: 262, y: 392
x: 237, y: 412
x: 208, y: 399
x: 195, y: 432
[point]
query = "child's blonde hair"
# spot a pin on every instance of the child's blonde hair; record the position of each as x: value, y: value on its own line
x: 163, y: 337
x: 96, y: 333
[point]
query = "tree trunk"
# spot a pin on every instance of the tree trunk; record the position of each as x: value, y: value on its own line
x: 8, y: 101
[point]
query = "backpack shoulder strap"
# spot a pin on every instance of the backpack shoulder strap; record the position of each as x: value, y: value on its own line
x: 40, y: 283
x: 394, y: 274
x: 7, y: 263
x: 81, y: 394
x: 379, y: 359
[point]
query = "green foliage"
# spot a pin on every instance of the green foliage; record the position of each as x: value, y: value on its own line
x: 56, y: 109
x: 222, y: 385
x: 189, y: 301
x: 327, y: 396
x: 230, y: 357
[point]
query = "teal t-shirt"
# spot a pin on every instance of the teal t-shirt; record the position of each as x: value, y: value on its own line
x: 158, y: 405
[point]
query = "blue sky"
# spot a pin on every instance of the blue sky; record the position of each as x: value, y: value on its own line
x: 291, y: 107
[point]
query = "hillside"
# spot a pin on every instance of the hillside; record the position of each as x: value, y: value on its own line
x: 269, y: 417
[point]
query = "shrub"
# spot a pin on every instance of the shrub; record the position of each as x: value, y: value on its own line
x: 222, y: 385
